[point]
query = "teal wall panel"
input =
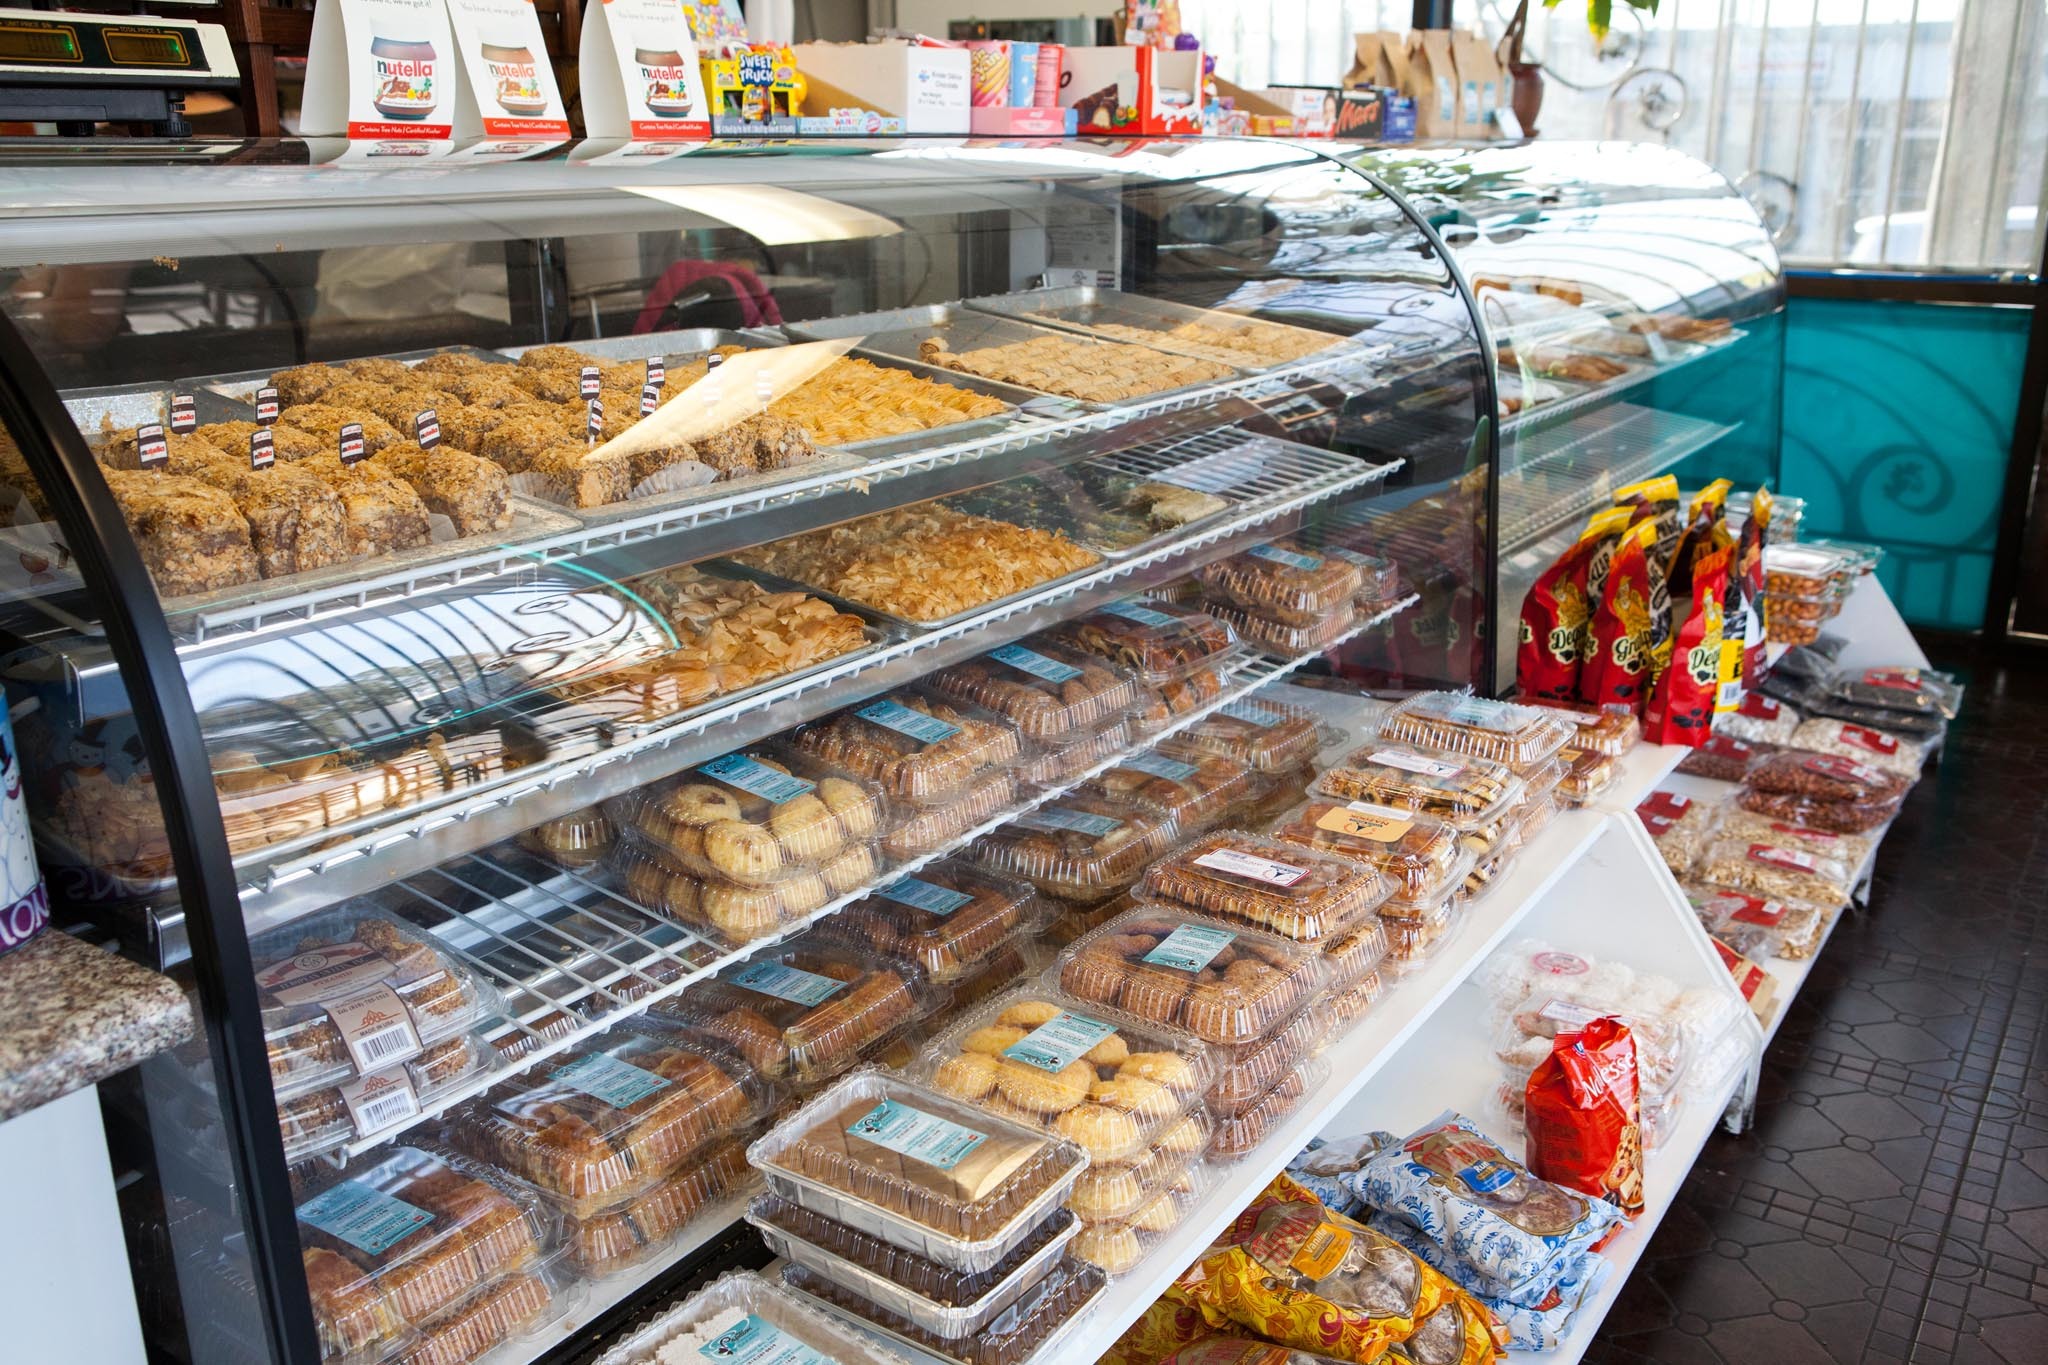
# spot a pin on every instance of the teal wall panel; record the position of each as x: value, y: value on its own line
x: 1898, y: 423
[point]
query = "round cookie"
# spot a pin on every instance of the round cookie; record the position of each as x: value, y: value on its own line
x: 1043, y: 1092
x: 968, y: 1076
x: 1028, y: 1014
x: 1112, y: 1246
x: 991, y: 1040
x: 1169, y: 1069
x: 742, y: 851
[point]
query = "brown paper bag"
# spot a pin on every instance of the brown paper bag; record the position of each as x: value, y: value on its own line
x: 1433, y: 84
x: 1365, y: 62
x: 1478, y: 85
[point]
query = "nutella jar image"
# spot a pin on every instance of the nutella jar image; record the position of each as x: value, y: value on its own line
x: 404, y: 72
x: 515, y: 84
x: 665, y: 83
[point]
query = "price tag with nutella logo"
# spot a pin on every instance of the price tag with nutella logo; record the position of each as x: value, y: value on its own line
x: 426, y: 428
x: 1758, y: 706
x: 657, y: 371
x: 1366, y: 820
x: 152, y: 450
x: 266, y: 405
x: 595, y: 426
x: 349, y: 443
x: 590, y: 382
x: 184, y: 414
x: 379, y: 1101
x: 262, y: 450
x: 650, y: 399
x: 1791, y: 860
x: 1844, y: 769
x: 1868, y: 740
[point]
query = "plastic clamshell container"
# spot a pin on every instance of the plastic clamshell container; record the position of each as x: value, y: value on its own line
x: 1115, y: 1246
x: 1245, y: 1071
x: 1813, y: 569
x: 1353, y: 1002
x: 1284, y: 639
x: 1159, y: 642
x: 1610, y: 730
x: 1172, y: 968
x: 574, y: 841
x: 808, y: 1009
x: 1284, y: 889
x: 1268, y: 736
x: 917, y: 1169
x: 1465, y: 793
x: 1799, y: 609
x: 1034, y: 1330
x: 945, y: 1302
x: 1413, y: 941
x: 920, y: 748
x: 1078, y: 847
x: 1044, y: 687
x: 1459, y: 723
x: 635, y: 1233
x: 1272, y: 796
x: 734, y: 913
x: 1157, y: 706
x: 317, y: 1121
x: 1059, y: 761
x: 602, y: 1123
x: 1824, y: 777
x: 1779, y: 871
x: 949, y: 918
x: 1421, y: 856
x: 1042, y: 1060
x: 510, y: 1311
x: 402, y: 1240
x: 754, y: 817
x: 1587, y: 773
x: 1379, y: 578
x: 1284, y: 582
x: 1109, y: 1192
x: 1247, y: 1128
x: 918, y: 830
x: 757, y: 1306
x: 331, y: 988
x: 1197, y: 791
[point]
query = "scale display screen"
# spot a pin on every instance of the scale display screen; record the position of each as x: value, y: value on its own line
x: 145, y: 47
x: 34, y: 45
x: 82, y: 44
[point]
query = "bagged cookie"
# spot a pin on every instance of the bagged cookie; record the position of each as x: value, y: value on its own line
x: 1539, y: 1325
x: 1583, y: 1114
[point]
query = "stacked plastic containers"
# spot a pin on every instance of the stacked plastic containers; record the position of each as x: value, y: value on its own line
x: 1276, y: 740
x: 1284, y: 598
x: 1074, y: 708
x: 952, y: 918
x: 1178, y: 656
x: 746, y: 844
x: 1081, y: 849
x: 743, y: 1317
x: 1592, y: 759
x: 937, y: 1223
x: 365, y: 1021
x: 1805, y: 585
x: 625, y: 1138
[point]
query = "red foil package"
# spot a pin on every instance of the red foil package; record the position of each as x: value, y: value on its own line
x: 1680, y: 709
x: 1584, y: 1115
x: 1749, y: 564
x: 1557, y: 614
x: 1617, y: 666
x: 1706, y: 530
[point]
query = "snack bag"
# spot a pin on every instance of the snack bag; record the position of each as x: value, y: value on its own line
x: 1171, y: 1323
x: 1749, y: 557
x: 1295, y: 1273
x: 1555, y: 618
x: 1680, y: 709
x: 1655, y: 500
x: 1604, y: 528
x: 1538, y: 1325
x: 1584, y: 1115
x: 1706, y: 530
x: 1235, y: 1350
x: 1616, y: 669
x: 1491, y: 1217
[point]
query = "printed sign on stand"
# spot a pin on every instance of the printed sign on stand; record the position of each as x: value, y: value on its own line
x: 640, y: 74
x: 379, y: 69
x: 510, y: 88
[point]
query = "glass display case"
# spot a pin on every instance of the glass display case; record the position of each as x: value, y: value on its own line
x: 483, y: 626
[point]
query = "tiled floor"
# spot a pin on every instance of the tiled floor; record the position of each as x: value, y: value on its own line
x: 1890, y: 1203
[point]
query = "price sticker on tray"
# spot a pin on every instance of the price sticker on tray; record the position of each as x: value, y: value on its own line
x: 1421, y: 764
x: 1030, y: 661
x: 1253, y: 714
x: 920, y: 1136
x: 1156, y: 765
x: 380, y: 1100
x: 787, y: 983
x: 610, y: 1081
x: 376, y: 1027
x: 1251, y: 867
x: 1060, y: 1041
x: 773, y: 786
x: 1144, y: 616
x: 1791, y: 860
x: 1273, y: 554
x: 367, y: 1219
x: 753, y: 1340
x: 929, y: 897
x: 1367, y: 820
x: 908, y: 721
x: 1190, y: 947
x: 1869, y: 740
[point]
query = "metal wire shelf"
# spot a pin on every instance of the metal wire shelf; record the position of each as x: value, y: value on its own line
x: 1545, y: 416
x: 1568, y: 470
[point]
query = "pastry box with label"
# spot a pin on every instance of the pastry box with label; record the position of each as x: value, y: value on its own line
x: 741, y: 1316
x: 1285, y: 889
x: 1196, y: 790
x: 949, y: 917
x: 1469, y: 794
x: 323, y: 1118
x: 733, y: 912
x: 1080, y: 847
x: 1284, y: 582
x: 919, y: 747
x: 1459, y: 723
x: 1043, y: 687
x: 1161, y: 642
x: 1266, y: 735
x: 1219, y: 983
x: 1035, y: 1330
x: 1423, y: 857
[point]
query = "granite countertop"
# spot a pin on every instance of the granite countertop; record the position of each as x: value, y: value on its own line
x: 72, y: 1014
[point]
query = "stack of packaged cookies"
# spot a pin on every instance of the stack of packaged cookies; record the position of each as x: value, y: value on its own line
x: 936, y: 1223
x: 1073, y: 707
x: 1177, y: 655
x: 741, y: 1316
x: 1284, y: 598
x: 1276, y: 740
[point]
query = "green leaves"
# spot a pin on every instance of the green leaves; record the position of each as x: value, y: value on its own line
x: 1600, y: 13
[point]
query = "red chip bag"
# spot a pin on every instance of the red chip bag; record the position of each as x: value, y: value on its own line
x: 1616, y: 669
x: 1555, y: 615
x: 1680, y: 709
x: 1584, y: 1115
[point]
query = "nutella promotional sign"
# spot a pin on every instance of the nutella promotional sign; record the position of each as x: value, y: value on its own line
x: 508, y: 88
x: 640, y: 74
x: 380, y: 69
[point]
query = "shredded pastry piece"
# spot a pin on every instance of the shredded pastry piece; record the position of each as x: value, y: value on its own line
x: 1093, y: 371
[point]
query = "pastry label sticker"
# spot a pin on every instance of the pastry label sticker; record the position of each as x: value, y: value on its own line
x: 152, y: 451
x: 755, y: 1341
x: 657, y: 371
x: 610, y: 1081
x: 1153, y: 765
x: 184, y: 416
x: 1570, y: 1016
x: 1802, y: 832
x: 262, y: 449
x: 1904, y: 679
x: 379, y: 1100
x: 1275, y: 555
x: 1661, y: 810
x: 1561, y: 964
x: 589, y: 382
x: 1758, y: 706
x: 426, y: 428
x: 737, y: 770
x: 1410, y: 762
x: 1253, y: 715
x: 1789, y: 859
x: 894, y: 715
x: 376, y: 1027
x: 1366, y: 820
x: 1769, y: 914
x: 650, y: 399
x: 1060, y: 1041
x: 1251, y: 867
x: 1322, y: 1251
x: 917, y: 1135
x: 367, y: 1219
x: 1144, y: 616
x: 1473, y: 711
x: 787, y: 983
x: 327, y: 973
x: 1868, y: 740
x: 266, y: 405
x: 925, y: 896
x: 1050, y: 818
x: 1844, y: 770
x: 1036, y: 664
x: 1189, y: 948
x: 349, y: 443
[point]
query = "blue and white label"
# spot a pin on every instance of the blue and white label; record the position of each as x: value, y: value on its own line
x: 787, y: 983
x: 1060, y: 1041
x: 1153, y: 765
x: 894, y: 715
x: 1255, y: 715
x: 771, y: 785
x: 917, y: 1135
x: 1273, y: 554
x: 925, y: 896
x: 367, y: 1219
x: 1190, y: 948
x: 610, y: 1081
x: 1036, y: 664
x: 1051, y: 818
x: 1144, y: 616
x: 755, y: 1341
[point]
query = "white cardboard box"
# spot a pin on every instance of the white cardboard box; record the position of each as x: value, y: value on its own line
x: 925, y: 86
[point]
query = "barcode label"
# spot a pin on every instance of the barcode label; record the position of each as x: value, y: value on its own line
x: 378, y: 1101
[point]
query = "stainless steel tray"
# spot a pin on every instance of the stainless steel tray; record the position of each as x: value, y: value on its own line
x: 967, y: 501
x: 687, y: 342
x: 681, y: 498
x: 896, y: 334
x: 1078, y: 308
x: 133, y: 405
x: 1051, y: 1351
x: 240, y: 386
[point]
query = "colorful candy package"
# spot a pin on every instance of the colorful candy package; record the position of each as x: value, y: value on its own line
x: 1557, y: 615
x: 1584, y: 1115
x: 1706, y: 530
x: 1680, y: 707
x: 1617, y: 665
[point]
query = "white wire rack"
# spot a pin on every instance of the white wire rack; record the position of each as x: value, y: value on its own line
x: 1547, y: 415
x: 1566, y: 471
x: 1270, y: 478
x: 572, y: 956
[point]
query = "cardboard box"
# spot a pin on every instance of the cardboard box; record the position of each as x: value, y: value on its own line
x: 753, y: 93
x: 1141, y: 91
x: 1433, y: 84
x: 1022, y: 122
x: 885, y: 87
x: 1314, y: 107
x: 1251, y: 114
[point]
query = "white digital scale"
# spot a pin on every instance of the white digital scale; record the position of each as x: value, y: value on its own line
x: 76, y: 70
